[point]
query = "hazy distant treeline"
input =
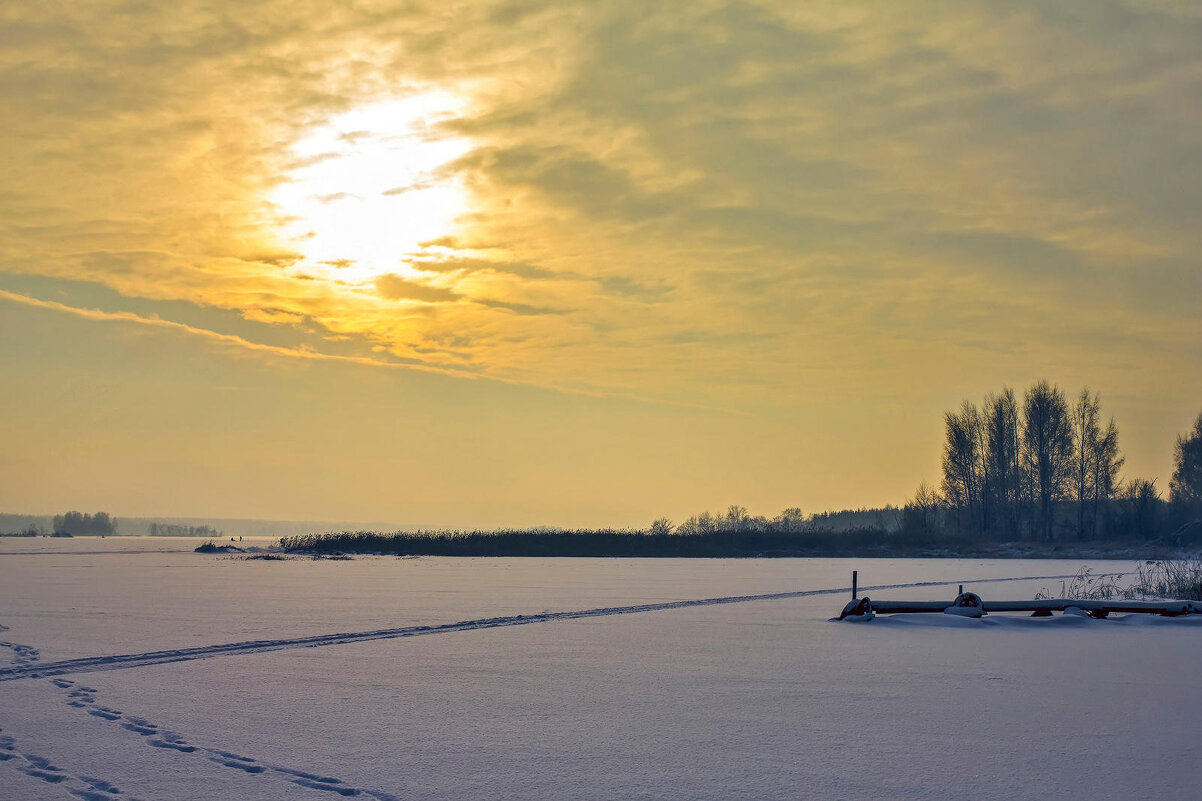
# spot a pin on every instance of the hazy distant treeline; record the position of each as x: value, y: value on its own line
x: 1044, y: 469
x: 599, y: 542
x: 43, y: 525
x: 78, y: 524
x: 735, y: 532
x: 31, y: 531
x: 174, y: 530
x: 1049, y: 468
x: 71, y: 524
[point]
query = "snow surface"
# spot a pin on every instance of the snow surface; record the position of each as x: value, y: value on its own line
x: 416, y: 678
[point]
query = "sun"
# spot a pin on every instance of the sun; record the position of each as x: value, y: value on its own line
x: 370, y: 184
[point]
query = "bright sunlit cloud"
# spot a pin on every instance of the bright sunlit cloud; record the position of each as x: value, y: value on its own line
x: 369, y: 186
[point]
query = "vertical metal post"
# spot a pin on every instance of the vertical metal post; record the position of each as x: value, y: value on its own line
x: 961, y: 592
x: 855, y: 578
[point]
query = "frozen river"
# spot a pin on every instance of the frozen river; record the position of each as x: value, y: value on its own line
x: 233, y: 683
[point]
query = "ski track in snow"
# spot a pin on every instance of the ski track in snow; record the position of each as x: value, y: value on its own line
x: 31, y: 669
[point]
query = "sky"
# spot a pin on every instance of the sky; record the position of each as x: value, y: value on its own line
x: 520, y: 263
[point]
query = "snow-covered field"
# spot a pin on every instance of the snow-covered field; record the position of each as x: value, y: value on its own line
x: 415, y: 678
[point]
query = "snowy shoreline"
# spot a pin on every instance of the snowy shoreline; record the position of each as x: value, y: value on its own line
x: 447, y: 678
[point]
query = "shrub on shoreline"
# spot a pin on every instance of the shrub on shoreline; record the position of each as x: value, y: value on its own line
x: 1179, y: 579
x: 1176, y: 579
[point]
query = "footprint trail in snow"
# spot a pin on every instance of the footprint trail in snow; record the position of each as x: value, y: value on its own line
x: 158, y: 737
x: 88, y: 788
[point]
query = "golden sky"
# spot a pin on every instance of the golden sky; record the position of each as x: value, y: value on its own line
x: 580, y: 264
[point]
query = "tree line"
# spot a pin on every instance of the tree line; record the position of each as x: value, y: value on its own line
x: 1046, y: 467
x: 738, y: 520
x: 175, y: 530
x: 78, y: 524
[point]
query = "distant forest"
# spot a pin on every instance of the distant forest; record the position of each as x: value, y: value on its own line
x: 71, y: 524
x: 1039, y: 476
x: 175, y: 530
x: 78, y: 524
x: 99, y: 524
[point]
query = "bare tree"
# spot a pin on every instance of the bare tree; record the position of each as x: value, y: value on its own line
x: 1140, y: 504
x: 1086, y: 433
x: 1185, y: 487
x: 964, y: 465
x: 1003, y: 470
x: 1106, y: 463
x: 792, y: 520
x: 1047, y: 450
x: 1096, y: 462
x: 921, y: 514
x: 736, y: 518
x: 661, y: 527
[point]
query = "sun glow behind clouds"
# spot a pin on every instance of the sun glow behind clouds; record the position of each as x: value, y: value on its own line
x: 369, y: 186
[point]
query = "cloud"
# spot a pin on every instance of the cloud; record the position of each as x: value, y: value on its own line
x: 516, y: 308
x: 685, y: 202
x: 273, y: 317
x: 334, y: 197
x: 228, y: 340
x: 470, y: 265
x: 413, y: 187
x: 633, y: 288
x: 394, y: 287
